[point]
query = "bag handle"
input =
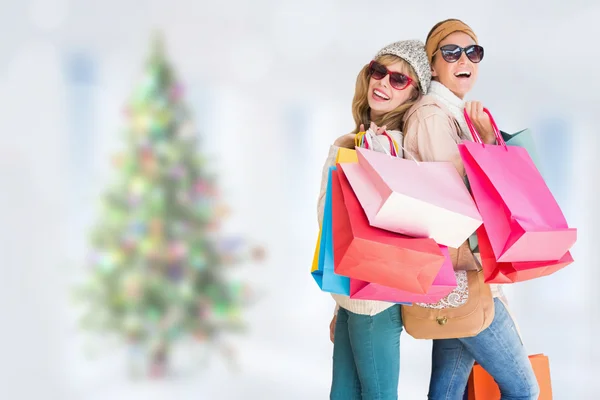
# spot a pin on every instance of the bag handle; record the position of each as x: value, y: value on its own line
x: 393, y: 144
x: 358, y: 139
x: 364, y: 139
x: 396, y: 145
x: 476, y: 136
x: 359, y: 142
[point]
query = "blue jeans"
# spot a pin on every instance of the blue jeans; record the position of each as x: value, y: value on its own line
x: 498, y: 349
x: 366, y: 355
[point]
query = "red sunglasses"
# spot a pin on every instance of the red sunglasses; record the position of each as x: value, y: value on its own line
x: 398, y: 80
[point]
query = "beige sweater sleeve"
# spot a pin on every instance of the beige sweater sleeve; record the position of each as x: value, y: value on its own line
x: 430, y: 136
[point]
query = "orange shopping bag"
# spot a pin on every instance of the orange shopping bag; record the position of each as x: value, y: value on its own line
x: 483, y: 387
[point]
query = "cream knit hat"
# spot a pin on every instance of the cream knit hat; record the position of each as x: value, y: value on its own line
x: 413, y: 52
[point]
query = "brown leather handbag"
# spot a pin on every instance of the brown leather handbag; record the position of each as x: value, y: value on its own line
x: 446, y: 322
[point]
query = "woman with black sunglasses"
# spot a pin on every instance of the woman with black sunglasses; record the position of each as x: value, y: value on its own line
x: 433, y: 129
x: 366, y: 333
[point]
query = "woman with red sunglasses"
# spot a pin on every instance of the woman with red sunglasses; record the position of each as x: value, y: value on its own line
x: 434, y: 127
x: 366, y: 334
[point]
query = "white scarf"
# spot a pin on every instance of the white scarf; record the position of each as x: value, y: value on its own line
x: 453, y: 103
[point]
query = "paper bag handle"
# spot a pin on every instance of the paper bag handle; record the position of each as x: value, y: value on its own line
x: 393, y: 144
x: 476, y: 137
x: 364, y: 139
x: 402, y: 147
x: 359, y: 141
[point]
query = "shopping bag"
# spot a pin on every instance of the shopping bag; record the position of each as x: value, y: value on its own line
x: 511, y: 272
x: 364, y: 139
x: 482, y: 386
x: 376, y: 255
x: 521, y: 216
x: 345, y: 155
x: 443, y: 284
x: 362, y: 289
x: 324, y: 274
x: 419, y: 199
x: 322, y: 265
x: 523, y: 138
x: 315, y: 262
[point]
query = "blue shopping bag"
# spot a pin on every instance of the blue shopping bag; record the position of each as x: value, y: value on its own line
x: 328, y: 280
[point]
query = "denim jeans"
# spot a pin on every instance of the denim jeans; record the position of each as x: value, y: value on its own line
x: 498, y: 349
x: 366, y: 355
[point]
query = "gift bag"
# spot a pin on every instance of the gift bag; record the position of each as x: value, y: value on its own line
x: 322, y: 267
x: 523, y: 139
x: 419, y: 199
x: 376, y: 255
x: 443, y: 284
x: 324, y: 273
x: 522, y: 218
x: 483, y: 387
x: 510, y: 272
x: 345, y: 155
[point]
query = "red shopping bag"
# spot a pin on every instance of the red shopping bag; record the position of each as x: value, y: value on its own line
x: 521, y: 216
x: 443, y: 284
x: 510, y: 272
x: 376, y: 255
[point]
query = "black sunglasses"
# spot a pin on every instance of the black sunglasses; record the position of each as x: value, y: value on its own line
x: 452, y: 52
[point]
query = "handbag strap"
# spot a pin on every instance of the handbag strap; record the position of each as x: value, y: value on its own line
x: 479, y: 266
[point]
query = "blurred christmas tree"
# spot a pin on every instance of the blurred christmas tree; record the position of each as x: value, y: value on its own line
x: 158, y: 266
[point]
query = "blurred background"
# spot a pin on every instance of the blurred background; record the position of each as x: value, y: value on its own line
x: 268, y: 86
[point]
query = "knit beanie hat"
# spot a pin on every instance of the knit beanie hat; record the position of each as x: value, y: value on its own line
x: 413, y: 52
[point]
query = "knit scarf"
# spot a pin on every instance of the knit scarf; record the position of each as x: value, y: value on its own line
x: 454, y: 104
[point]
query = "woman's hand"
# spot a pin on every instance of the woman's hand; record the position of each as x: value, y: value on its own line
x: 481, y: 121
x: 346, y: 141
x: 332, y: 327
x: 375, y: 128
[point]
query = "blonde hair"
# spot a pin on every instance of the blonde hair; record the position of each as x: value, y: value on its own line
x: 360, y: 104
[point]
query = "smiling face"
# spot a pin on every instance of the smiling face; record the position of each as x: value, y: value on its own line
x: 382, y: 97
x: 460, y: 76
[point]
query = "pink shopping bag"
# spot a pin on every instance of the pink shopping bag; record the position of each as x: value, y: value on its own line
x: 419, y: 199
x: 511, y: 272
x: 521, y: 217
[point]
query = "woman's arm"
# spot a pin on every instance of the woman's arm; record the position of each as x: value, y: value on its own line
x: 431, y: 136
x: 346, y: 141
